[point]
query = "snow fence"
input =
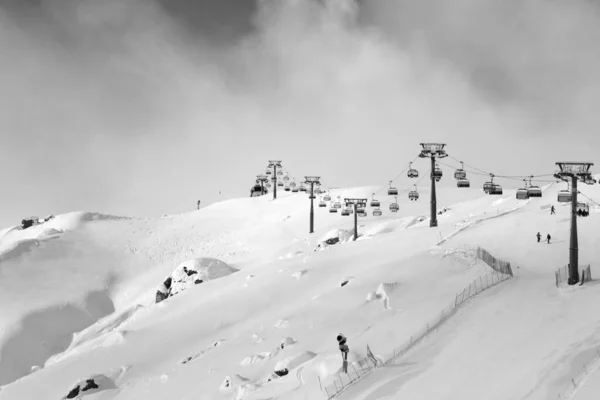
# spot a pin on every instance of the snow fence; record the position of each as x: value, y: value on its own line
x: 502, y: 272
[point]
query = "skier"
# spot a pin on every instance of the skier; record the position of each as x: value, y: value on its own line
x: 539, y: 236
x: 548, y: 238
x: 344, y: 349
x: 552, y: 210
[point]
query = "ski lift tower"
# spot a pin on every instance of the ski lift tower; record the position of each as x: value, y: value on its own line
x: 274, y: 164
x: 433, y: 151
x: 312, y: 181
x: 574, y: 171
x: 355, y: 203
x: 262, y: 179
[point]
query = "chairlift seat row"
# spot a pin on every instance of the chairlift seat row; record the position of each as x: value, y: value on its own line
x: 392, y: 192
x: 333, y: 210
x: 496, y: 189
x: 565, y: 196
x: 534, y: 191
x: 375, y: 203
x: 463, y: 183
x: 460, y: 174
x: 377, y: 213
x: 394, y: 207
x: 522, y: 194
x: 413, y: 195
x: 322, y: 204
x: 412, y: 173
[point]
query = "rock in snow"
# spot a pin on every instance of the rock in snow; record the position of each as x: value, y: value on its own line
x: 90, y: 385
x: 190, y: 273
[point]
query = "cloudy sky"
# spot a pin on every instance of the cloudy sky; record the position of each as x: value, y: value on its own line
x: 143, y: 107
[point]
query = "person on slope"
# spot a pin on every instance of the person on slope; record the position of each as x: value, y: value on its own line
x: 344, y: 349
x: 539, y: 236
x: 548, y: 238
x: 552, y: 210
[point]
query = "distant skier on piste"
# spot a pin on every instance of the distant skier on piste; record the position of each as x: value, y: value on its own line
x: 552, y: 210
x: 539, y: 236
x: 548, y: 238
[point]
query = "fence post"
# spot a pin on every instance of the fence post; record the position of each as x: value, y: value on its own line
x: 481, y: 282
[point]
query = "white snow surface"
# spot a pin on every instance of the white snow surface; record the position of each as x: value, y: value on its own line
x: 77, y: 301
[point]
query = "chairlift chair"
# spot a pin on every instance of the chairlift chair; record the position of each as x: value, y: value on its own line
x: 279, y: 173
x: 496, y: 189
x: 333, y: 209
x: 460, y: 173
x: 522, y: 194
x: 345, y: 212
x: 534, y: 191
x: 374, y: 203
x: 293, y: 184
x: 268, y: 185
x: 280, y: 184
x: 337, y: 204
x: 268, y: 171
x: 322, y: 204
x: 295, y: 190
x: 487, y: 186
x: 584, y: 208
x: 377, y: 212
x: 413, y: 195
x: 463, y: 183
x: 392, y: 191
x: 361, y: 213
x: 286, y: 178
x: 565, y: 196
x: 394, y: 207
x: 327, y: 197
x: 302, y: 188
x: 437, y: 173
x: 412, y: 173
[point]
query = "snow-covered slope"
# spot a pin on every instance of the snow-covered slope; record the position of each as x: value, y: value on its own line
x: 77, y: 301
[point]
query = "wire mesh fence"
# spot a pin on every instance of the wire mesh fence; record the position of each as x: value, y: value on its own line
x: 561, y: 275
x: 578, y: 381
x: 357, y: 370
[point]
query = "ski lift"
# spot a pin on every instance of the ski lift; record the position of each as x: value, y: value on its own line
x: 377, y: 212
x: 287, y: 188
x: 312, y: 196
x: 583, y: 209
x: 392, y: 191
x: 280, y: 184
x: 437, y: 173
x: 374, y: 203
x: 565, y: 196
x: 327, y: 197
x: 534, y: 191
x: 333, y: 209
x: 322, y: 204
x: 293, y: 184
x: 269, y: 172
x: 286, y: 178
x: 350, y: 209
x: 295, y: 190
x: 412, y: 173
x: 337, y: 204
x: 345, y: 212
x: 361, y: 213
x: 496, y: 189
x: 279, y: 173
x: 487, y: 186
x: 394, y: 207
x: 268, y: 185
x: 302, y: 188
x: 318, y: 190
x: 463, y: 183
x: 460, y: 173
x: 413, y: 195
x: 522, y: 194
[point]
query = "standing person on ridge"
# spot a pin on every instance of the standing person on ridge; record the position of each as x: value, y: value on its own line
x: 344, y: 349
x: 552, y: 210
x: 539, y: 236
x: 548, y: 238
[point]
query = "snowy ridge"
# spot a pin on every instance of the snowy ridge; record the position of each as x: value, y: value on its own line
x: 87, y: 309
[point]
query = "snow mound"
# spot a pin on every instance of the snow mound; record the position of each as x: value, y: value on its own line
x: 193, y: 272
x: 293, y: 362
x: 382, y: 293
